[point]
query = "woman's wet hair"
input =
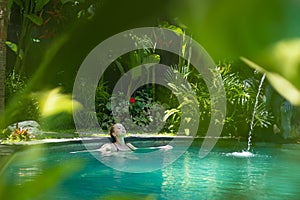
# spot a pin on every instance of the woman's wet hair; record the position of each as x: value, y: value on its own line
x: 111, y: 130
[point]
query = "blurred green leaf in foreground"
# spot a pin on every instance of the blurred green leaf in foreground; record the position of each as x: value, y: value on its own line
x: 264, y: 33
x: 284, y: 69
x: 46, y: 180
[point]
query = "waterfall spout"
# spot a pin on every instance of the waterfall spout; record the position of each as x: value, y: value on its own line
x: 254, y: 111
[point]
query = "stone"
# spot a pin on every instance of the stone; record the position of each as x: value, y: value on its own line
x: 32, y: 126
x: 286, y: 109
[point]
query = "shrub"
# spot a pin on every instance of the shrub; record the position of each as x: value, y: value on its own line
x: 141, y: 108
x: 241, y: 87
x: 27, y: 107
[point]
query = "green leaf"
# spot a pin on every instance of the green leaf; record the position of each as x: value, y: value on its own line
x: 153, y: 58
x: 120, y: 67
x: 14, y: 48
x: 284, y: 58
x: 176, y: 29
x: 283, y: 86
x: 19, y: 3
x: 39, y: 4
x: 80, y: 13
x: 237, y: 28
x: 169, y: 113
x: 10, y: 3
x: 35, y: 19
x: 34, y: 189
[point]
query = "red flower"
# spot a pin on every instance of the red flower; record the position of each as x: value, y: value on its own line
x: 132, y: 100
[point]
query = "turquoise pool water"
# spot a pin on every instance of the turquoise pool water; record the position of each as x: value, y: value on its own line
x: 272, y: 173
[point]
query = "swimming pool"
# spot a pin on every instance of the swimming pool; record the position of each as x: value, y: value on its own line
x: 272, y: 173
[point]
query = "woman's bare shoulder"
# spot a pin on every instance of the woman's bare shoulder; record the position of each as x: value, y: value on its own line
x: 107, y: 147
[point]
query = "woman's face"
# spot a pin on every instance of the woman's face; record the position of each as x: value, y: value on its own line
x: 119, y: 130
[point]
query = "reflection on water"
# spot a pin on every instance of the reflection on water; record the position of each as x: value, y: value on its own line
x: 272, y: 173
x: 26, y: 174
x: 267, y: 175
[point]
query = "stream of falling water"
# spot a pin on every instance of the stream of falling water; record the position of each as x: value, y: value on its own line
x: 254, y: 111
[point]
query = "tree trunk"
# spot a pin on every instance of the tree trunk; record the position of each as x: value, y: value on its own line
x: 4, y: 13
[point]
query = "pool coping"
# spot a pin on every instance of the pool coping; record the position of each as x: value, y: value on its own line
x: 87, y: 139
x: 8, y: 148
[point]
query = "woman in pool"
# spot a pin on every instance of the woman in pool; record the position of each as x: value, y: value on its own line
x: 117, y: 134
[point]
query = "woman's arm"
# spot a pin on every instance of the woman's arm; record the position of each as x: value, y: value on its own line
x: 133, y: 148
x: 105, y: 148
x: 165, y: 147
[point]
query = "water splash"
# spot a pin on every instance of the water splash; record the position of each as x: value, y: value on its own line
x: 247, y: 153
x: 254, y: 111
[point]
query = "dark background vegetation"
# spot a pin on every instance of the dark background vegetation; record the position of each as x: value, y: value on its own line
x: 227, y: 30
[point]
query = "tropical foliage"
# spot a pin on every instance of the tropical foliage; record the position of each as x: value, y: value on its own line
x: 241, y: 90
x: 43, y: 20
x: 266, y: 36
x: 28, y: 107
